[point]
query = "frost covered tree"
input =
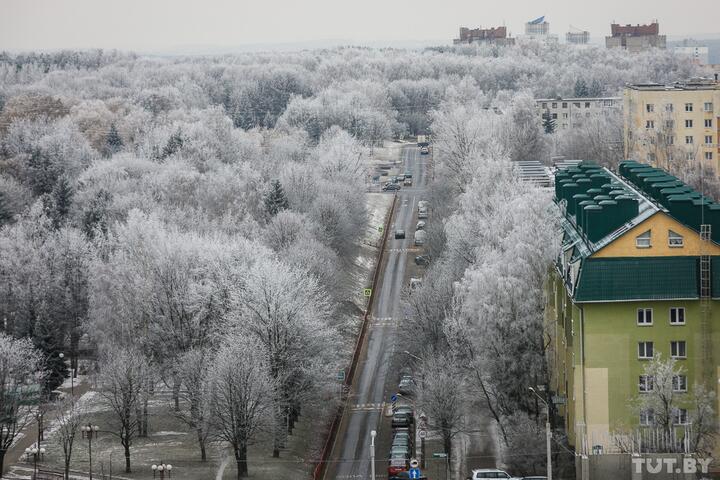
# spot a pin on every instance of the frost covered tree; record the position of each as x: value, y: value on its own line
x: 113, y: 141
x: 122, y: 381
x: 68, y: 418
x: 20, y: 372
x: 193, y: 369
x: 241, y: 388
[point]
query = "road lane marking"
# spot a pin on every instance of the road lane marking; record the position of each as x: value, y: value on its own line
x: 367, y: 407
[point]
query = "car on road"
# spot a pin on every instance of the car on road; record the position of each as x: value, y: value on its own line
x: 396, y: 450
x: 408, y: 174
x: 397, y: 464
x: 406, y: 385
x: 424, y: 150
x: 408, y: 182
x: 422, y: 212
x: 399, y: 233
x: 402, y: 420
x: 420, y: 225
x: 487, y: 473
x: 420, y: 237
x: 422, y: 260
x: 390, y: 187
x: 423, y: 204
x: 402, y: 440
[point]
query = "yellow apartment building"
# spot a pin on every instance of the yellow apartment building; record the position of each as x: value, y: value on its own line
x: 667, y: 125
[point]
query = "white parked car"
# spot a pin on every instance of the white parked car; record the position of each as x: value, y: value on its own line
x: 420, y: 225
x: 487, y: 473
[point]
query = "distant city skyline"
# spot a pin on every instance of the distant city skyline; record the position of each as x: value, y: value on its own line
x: 143, y: 25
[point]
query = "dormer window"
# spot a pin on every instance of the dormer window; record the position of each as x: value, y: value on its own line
x: 675, y: 240
x: 643, y: 240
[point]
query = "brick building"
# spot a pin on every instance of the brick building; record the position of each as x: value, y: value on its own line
x: 496, y: 36
x: 635, y: 38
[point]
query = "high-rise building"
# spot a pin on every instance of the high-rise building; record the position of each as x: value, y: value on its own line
x: 666, y: 125
x: 495, y: 36
x: 539, y: 30
x: 577, y: 37
x: 638, y: 276
x: 635, y: 38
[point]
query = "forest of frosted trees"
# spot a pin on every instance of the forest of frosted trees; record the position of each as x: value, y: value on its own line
x: 162, y: 211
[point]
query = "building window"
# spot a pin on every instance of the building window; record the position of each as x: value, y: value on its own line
x: 587, y: 104
x: 646, y: 384
x: 554, y: 105
x: 674, y: 239
x: 708, y: 139
x: 680, y: 416
x: 651, y: 157
x: 708, y: 155
x: 670, y: 157
x: 544, y: 105
x: 689, y: 156
x: 564, y: 125
x: 677, y: 316
x: 688, y: 107
x: 708, y: 106
x: 688, y: 124
x: 576, y: 104
x: 607, y: 103
x: 670, y: 140
x: 649, y: 124
x: 643, y: 240
x: 669, y: 107
x: 645, y: 350
x: 708, y: 123
x: 554, y: 116
x: 647, y: 418
x: 644, y: 316
x: 678, y: 349
x: 565, y: 115
x: 564, y: 104
x: 689, y: 139
x: 679, y: 383
x: 649, y: 108
x: 670, y: 124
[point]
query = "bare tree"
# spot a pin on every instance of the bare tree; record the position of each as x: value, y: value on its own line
x: 123, y: 379
x: 68, y: 418
x: 241, y: 394
x: 20, y: 387
x: 192, y: 370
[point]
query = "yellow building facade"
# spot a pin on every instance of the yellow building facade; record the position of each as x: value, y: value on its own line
x: 670, y: 125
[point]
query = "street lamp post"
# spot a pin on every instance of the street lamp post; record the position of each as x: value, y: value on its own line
x: 160, y: 470
x: 72, y: 378
x: 35, y: 452
x: 373, y: 433
x: 548, y: 434
x: 90, y: 431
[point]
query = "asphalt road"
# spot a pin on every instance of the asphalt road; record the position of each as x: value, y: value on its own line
x: 375, y: 379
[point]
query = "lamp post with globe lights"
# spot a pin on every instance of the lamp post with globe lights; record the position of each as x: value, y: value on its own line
x: 90, y: 431
x: 161, y: 470
x: 34, y: 452
x: 72, y: 377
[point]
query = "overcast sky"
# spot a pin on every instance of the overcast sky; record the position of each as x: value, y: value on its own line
x: 160, y: 24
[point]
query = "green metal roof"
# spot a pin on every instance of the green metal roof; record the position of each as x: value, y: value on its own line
x: 639, y: 278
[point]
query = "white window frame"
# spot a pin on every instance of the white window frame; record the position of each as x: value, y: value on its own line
x: 643, y: 312
x: 688, y: 107
x: 649, y: 107
x: 675, y: 345
x: 678, y: 314
x: 649, y: 124
x: 669, y: 107
x: 646, y: 383
x: 675, y: 240
x: 689, y: 140
x: 643, y: 350
x: 708, y: 107
x: 708, y: 140
x: 680, y: 416
x: 708, y: 123
x: 708, y: 155
x: 640, y: 240
x: 679, y: 383
x: 647, y: 418
x: 688, y: 123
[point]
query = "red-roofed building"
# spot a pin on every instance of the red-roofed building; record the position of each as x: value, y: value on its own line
x: 635, y: 38
x: 497, y: 35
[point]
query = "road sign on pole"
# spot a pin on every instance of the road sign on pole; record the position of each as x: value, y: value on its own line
x: 415, y: 473
x: 423, y: 433
x: 341, y: 376
x: 381, y: 228
x: 413, y: 463
x: 367, y: 292
x: 393, y: 399
x: 440, y: 455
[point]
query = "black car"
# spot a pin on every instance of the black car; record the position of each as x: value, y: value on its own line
x: 402, y: 420
x: 399, y: 233
x: 391, y: 186
x: 422, y: 260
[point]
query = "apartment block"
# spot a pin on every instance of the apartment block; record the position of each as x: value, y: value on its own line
x: 572, y: 112
x: 493, y: 36
x: 635, y: 38
x: 669, y: 124
x: 638, y: 276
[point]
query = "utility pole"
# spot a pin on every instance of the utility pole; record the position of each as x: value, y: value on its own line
x: 373, y: 433
x: 548, y: 434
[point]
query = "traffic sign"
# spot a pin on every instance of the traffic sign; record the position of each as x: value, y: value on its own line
x: 393, y: 398
x: 341, y: 375
x: 415, y: 473
x: 367, y: 292
x: 422, y: 433
x: 440, y: 455
x: 413, y: 463
x: 381, y: 228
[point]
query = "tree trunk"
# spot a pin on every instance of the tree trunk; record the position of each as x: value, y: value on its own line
x: 144, y: 425
x: 241, y: 459
x: 201, y: 442
x: 176, y: 393
x: 127, y: 458
x: 2, y: 460
x: 447, y: 443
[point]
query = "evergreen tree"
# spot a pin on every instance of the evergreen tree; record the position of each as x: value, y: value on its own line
x: 174, y: 144
x: 5, y: 213
x: 113, y: 142
x: 48, y: 339
x: 275, y: 200
x: 548, y: 122
x: 95, y: 217
x: 60, y: 201
x: 581, y: 88
x: 596, y: 89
